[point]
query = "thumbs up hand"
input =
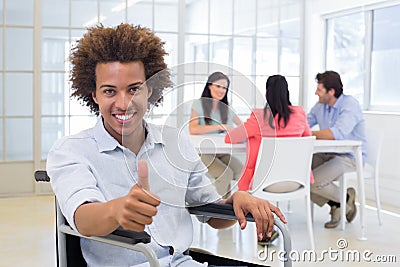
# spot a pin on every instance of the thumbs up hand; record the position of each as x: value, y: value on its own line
x: 143, y: 175
x: 139, y: 205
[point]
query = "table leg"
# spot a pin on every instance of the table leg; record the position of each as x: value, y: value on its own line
x: 361, y: 191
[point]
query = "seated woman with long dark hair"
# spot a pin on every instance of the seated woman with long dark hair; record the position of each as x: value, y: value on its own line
x: 212, y: 114
x: 279, y: 118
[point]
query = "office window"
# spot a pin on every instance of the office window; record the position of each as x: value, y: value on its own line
x: 345, y: 52
x: 242, y: 94
x: 19, y: 12
x: 84, y: 13
x: 268, y: 18
x: 111, y: 12
x: 220, y: 48
x: 55, y: 46
x: 54, y: 95
x: 1, y: 11
x: 55, y: 13
x: 140, y: 13
x: 385, y: 58
x: 19, y: 138
x: 197, y: 17
x: 196, y: 49
x: 1, y: 48
x: 1, y: 141
x: 249, y: 40
x: 264, y: 40
x: 16, y: 80
x: 170, y: 46
x: 289, y: 19
x: 166, y: 16
x: 242, y: 59
x: 267, y: 56
x: 294, y: 89
x: 364, y: 48
x: 221, y: 17
x: 52, y: 129
x: 245, y: 19
x: 79, y: 123
x: 18, y: 54
x: 18, y: 94
x: 1, y: 95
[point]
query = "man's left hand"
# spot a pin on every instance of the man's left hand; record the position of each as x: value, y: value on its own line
x: 261, y: 210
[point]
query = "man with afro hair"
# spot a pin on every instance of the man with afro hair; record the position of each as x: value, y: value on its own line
x: 127, y: 172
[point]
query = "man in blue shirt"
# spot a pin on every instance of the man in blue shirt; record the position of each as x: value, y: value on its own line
x: 127, y: 172
x: 339, y: 117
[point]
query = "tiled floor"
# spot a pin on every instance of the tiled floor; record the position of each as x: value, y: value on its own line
x: 27, y: 236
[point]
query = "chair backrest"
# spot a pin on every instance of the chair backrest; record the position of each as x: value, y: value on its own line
x: 283, y: 159
x: 374, y: 145
x: 68, y: 247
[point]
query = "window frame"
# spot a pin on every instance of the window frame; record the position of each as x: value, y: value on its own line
x: 368, y: 12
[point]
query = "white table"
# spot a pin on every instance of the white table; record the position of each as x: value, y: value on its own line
x: 214, y: 144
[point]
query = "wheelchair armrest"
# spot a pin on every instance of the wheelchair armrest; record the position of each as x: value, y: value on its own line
x: 225, y: 211
x: 121, y: 238
x: 41, y: 176
x: 131, y: 237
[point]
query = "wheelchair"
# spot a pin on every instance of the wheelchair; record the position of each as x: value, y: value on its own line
x: 68, y: 240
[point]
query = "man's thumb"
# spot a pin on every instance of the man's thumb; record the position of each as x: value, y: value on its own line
x: 143, y: 174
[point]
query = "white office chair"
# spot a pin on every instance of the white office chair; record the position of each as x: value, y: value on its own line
x: 371, y: 171
x: 285, y: 159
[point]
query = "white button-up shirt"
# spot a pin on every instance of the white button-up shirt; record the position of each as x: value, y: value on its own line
x: 92, y: 166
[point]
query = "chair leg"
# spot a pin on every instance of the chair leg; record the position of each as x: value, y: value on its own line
x: 312, y: 211
x: 343, y: 190
x: 236, y: 234
x: 377, y: 199
x: 289, y: 208
x: 309, y: 222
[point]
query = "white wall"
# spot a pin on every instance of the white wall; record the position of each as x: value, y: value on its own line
x: 314, y: 54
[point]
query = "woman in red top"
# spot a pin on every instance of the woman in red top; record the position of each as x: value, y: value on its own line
x: 286, y: 121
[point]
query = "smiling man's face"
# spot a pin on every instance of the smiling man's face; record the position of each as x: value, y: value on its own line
x: 122, y: 97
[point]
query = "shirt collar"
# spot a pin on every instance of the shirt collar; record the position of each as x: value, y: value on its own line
x: 336, y: 105
x: 105, y: 142
x: 154, y: 134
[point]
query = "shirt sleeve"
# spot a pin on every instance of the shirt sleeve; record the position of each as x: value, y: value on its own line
x: 307, y: 130
x: 312, y: 118
x: 71, y: 179
x: 200, y: 190
x: 248, y: 129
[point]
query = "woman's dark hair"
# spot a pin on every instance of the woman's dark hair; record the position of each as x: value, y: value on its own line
x: 277, y: 95
x: 207, y: 104
x: 124, y: 43
x: 330, y: 79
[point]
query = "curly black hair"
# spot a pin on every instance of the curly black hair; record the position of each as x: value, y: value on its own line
x: 123, y: 43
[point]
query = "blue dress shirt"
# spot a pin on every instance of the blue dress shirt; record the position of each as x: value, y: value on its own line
x: 344, y: 119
